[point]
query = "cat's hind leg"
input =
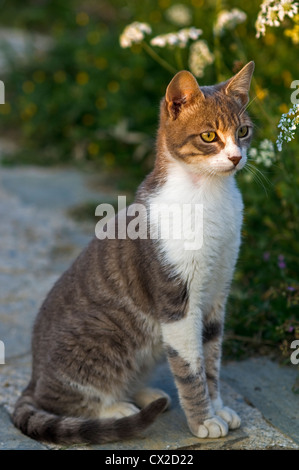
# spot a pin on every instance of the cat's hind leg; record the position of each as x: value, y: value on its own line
x: 147, y: 395
x: 118, y: 410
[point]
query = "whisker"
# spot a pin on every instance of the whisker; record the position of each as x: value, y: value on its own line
x: 253, y: 159
x: 262, y: 175
x: 243, y: 109
x: 258, y: 176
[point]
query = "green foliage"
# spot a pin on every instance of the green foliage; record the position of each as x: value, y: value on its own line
x: 69, y: 104
x: 89, y: 100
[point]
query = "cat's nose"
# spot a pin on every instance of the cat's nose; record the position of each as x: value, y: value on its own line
x: 235, y: 160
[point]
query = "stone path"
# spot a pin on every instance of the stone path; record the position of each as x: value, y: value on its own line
x: 37, y: 242
x: 19, y: 45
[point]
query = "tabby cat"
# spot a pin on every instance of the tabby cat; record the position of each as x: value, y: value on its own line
x: 125, y: 302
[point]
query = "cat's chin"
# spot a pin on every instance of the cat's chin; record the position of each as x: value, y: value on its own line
x: 226, y: 171
x: 220, y: 172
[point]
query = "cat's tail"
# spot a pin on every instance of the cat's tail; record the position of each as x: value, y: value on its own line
x: 41, y: 425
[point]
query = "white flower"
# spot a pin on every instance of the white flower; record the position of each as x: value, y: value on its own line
x: 134, y: 33
x: 260, y: 26
x: 265, y: 153
x: 273, y: 12
x: 200, y: 56
x: 287, y: 8
x: 228, y: 20
x: 194, y: 33
x: 179, y: 15
x: 265, y: 5
x: 272, y: 18
x: 158, y: 41
x: 179, y: 38
x: 174, y: 39
x: 253, y: 152
x: 288, y: 124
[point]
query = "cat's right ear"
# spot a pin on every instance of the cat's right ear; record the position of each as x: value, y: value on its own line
x: 180, y: 92
x: 238, y: 86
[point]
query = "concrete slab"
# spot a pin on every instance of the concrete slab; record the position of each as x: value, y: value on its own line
x: 10, y: 437
x: 268, y: 386
x: 54, y: 189
x: 29, y: 237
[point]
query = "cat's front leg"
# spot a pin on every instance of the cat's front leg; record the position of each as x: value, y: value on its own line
x: 183, y: 342
x: 212, y: 342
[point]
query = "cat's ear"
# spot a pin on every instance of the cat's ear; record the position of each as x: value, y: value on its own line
x: 238, y: 86
x: 180, y: 92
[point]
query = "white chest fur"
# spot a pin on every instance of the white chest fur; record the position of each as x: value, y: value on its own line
x: 215, y: 207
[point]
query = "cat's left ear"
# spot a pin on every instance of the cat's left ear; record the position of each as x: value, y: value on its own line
x: 238, y: 86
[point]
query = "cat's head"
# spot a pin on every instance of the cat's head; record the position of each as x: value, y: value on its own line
x: 207, y: 128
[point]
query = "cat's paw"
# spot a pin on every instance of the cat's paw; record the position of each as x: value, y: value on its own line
x: 230, y: 417
x: 212, y: 428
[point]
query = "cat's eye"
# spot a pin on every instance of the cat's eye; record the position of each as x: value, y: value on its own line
x: 208, y: 136
x: 243, y: 131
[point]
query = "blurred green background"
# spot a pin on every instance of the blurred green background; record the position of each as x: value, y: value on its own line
x: 87, y: 102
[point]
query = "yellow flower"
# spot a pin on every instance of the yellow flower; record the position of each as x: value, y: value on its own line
x: 101, y: 103
x: 101, y: 63
x: 164, y: 3
x: 29, y: 111
x: 82, y: 18
x: 93, y: 37
x: 5, y: 108
x: 60, y: 76
x: 197, y: 3
x: 287, y: 78
x: 293, y: 34
x: 82, y: 78
x: 93, y: 148
x: 39, y: 76
x: 261, y: 93
x: 28, y: 86
x: 109, y: 159
x: 283, y: 108
x: 88, y: 119
x: 113, y: 86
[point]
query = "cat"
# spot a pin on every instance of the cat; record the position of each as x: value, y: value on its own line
x: 125, y: 302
